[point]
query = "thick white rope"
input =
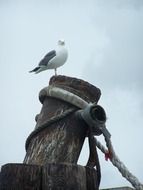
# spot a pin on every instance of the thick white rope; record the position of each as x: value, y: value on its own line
x: 64, y: 95
x: 118, y: 164
x: 79, y: 102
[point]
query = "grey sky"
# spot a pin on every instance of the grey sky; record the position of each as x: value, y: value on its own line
x: 105, y: 43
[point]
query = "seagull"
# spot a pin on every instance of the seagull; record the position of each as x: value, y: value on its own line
x: 53, y: 59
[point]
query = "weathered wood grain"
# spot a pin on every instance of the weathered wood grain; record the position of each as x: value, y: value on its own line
x: 91, y: 179
x: 20, y: 177
x: 63, y: 177
x: 61, y: 141
x: 69, y: 177
x: 49, y: 177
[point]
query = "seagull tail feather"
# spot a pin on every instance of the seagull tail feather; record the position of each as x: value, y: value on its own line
x: 34, y: 70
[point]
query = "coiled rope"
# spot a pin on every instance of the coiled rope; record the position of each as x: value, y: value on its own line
x: 109, y: 151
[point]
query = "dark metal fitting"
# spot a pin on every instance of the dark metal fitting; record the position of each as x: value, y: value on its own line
x: 95, y: 116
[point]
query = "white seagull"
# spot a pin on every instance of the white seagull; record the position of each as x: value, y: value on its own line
x: 53, y: 59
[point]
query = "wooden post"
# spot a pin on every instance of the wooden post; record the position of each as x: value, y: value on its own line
x: 68, y: 177
x: 53, y: 149
x: 50, y: 177
x: 20, y: 177
x: 60, y: 142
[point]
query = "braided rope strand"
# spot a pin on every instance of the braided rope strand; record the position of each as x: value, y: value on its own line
x: 47, y: 123
x: 80, y: 103
x: 119, y: 165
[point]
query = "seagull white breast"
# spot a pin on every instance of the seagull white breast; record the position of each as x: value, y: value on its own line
x: 59, y: 59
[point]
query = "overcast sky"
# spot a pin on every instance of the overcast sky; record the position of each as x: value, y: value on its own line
x: 105, y: 44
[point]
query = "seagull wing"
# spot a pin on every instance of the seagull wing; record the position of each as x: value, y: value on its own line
x: 47, y: 58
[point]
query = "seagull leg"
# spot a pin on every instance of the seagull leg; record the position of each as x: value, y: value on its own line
x: 55, y: 71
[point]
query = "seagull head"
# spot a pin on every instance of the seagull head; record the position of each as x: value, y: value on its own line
x: 61, y: 42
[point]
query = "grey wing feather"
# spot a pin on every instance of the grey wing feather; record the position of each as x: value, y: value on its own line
x: 47, y: 58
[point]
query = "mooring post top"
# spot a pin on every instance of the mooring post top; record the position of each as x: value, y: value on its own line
x: 59, y: 134
x: 79, y: 87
